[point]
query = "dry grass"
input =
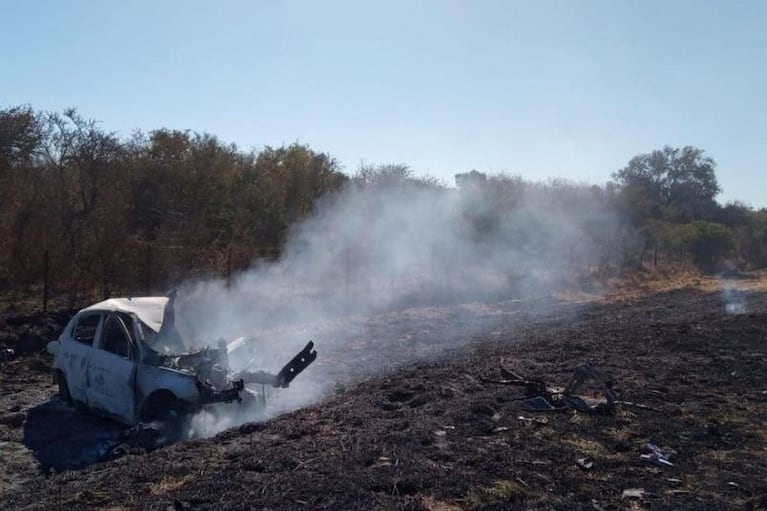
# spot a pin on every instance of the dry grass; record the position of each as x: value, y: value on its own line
x: 589, y: 447
x: 644, y: 283
x: 432, y: 504
x: 502, y: 491
x: 170, y: 484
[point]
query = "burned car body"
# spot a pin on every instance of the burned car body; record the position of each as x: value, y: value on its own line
x: 114, y: 358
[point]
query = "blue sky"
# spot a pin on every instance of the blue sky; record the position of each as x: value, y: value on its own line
x: 543, y: 89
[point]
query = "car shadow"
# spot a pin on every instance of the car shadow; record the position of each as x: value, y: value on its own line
x: 61, y: 437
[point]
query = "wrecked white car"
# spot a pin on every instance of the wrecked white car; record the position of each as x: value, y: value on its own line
x: 121, y: 358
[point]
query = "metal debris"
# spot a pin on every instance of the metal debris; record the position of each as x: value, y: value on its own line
x: 542, y: 398
x: 656, y: 456
x: 540, y: 404
x: 533, y: 420
x: 633, y: 493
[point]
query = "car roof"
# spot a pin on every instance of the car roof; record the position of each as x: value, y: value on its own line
x: 149, y: 309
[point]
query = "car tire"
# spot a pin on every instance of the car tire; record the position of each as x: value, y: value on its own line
x: 168, y: 410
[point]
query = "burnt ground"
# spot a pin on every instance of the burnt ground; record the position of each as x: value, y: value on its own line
x: 436, y: 436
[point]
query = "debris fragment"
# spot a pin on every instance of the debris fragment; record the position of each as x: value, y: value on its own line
x: 656, y: 456
x: 677, y: 492
x: 583, y: 373
x: 633, y: 493
x: 441, y: 438
x: 533, y: 420
x: 585, y: 463
x: 543, y: 398
x: 540, y: 404
x: 522, y: 482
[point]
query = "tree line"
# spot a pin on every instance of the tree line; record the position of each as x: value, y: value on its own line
x: 155, y: 207
x: 669, y: 196
x: 136, y: 213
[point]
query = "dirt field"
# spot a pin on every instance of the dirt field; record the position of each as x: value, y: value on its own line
x: 437, y: 436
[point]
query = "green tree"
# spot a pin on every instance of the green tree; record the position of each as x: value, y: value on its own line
x: 673, y: 184
x: 710, y: 243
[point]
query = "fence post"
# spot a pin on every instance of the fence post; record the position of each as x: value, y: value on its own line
x: 45, y: 280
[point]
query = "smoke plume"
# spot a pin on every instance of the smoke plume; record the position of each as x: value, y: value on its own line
x: 376, y: 266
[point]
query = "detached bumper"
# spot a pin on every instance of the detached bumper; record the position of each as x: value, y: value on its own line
x: 282, y: 379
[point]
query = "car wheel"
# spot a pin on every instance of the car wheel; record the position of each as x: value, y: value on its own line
x: 166, y: 409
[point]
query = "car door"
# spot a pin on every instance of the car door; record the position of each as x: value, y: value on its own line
x: 75, y: 353
x: 111, y: 370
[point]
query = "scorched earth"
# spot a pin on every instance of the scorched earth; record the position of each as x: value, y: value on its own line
x: 439, y: 434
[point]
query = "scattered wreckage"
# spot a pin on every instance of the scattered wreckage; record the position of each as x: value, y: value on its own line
x: 542, y: 398
x: 123, y: 358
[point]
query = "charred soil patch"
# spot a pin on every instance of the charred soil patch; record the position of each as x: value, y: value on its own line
x: 435, y: 436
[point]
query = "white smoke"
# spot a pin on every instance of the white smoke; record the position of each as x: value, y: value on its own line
x: 733, y: 299
x: 372, y: 250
